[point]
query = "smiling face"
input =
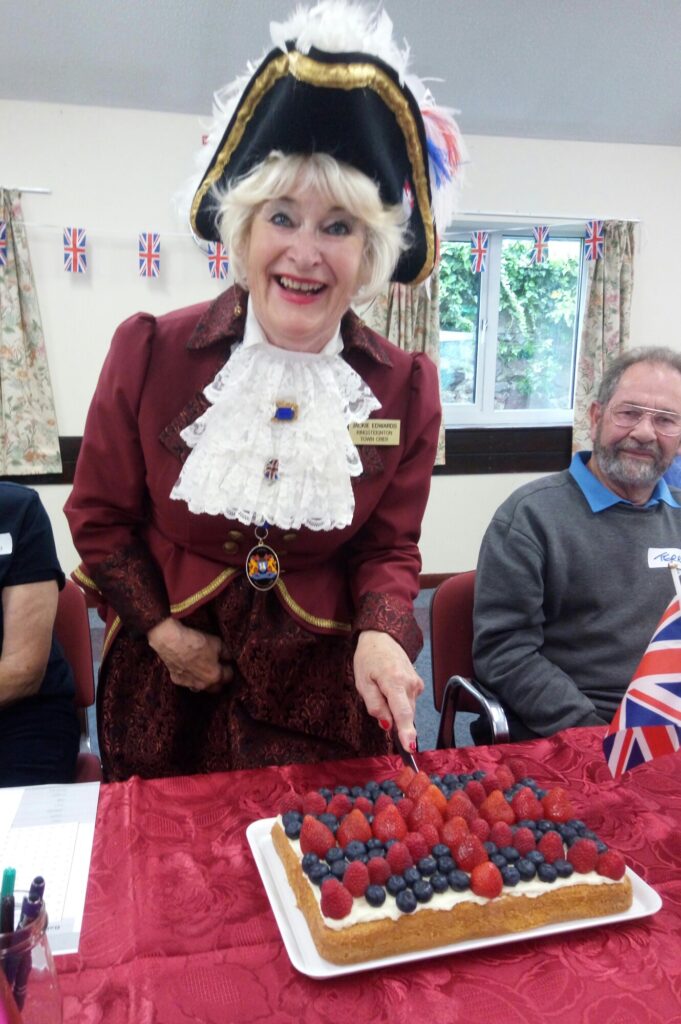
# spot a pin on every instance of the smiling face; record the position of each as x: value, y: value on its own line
x: 630, y: 460
x: 303, y: 267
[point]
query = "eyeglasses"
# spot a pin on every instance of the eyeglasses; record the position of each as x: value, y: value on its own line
x: 668, y: 424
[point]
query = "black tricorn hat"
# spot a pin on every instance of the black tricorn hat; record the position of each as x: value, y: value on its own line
x: 352, y: 106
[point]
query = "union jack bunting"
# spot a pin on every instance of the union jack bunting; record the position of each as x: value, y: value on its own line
x: 594, y: 240
x: 648, y: 721
x: 540, y: 246
x: 75, y: 253
x: 149, y: 254
x: 3, y: 243
x: 479, y: 250
x: 218, y: 263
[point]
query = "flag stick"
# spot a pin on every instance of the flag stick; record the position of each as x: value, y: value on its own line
x: 675, y: 576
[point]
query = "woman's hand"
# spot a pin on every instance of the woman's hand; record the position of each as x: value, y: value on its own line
x: 191, y: 657
x: 387, y: 683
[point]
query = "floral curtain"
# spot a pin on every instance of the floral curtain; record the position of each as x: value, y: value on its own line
x: 29, y: 438
x: 605, y: 329
x: 410, y: 318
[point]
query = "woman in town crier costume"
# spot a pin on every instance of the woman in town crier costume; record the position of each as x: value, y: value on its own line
x: 255, y: 548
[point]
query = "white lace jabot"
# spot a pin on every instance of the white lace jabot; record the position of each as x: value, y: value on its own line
x: 247, y: 465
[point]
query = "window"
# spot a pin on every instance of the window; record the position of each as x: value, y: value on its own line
x: 508, y: 336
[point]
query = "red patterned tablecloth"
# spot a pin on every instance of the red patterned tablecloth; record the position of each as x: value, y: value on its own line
x: 178, y: 929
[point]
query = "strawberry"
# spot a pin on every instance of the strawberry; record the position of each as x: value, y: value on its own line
x: 480, y: 828
x: 469, y: 852
x: 416, y: 845
x: 557, y: 806
x: 363, y: 804
x: 459, y: 806
x: 353, y: 826
x: 290, y: 802
x: 551, y: 845
x: 314, y: 803
x: 418, y: 785
x: 501, y: 834
x: 379, y: 870
x: 490, y: 782
x: 382, y: 802
x: 315, y: 837
x: 505, y: 776
x: 356, y: 878
x: 405, y: 777
x: 336, y: 901
x: 340, y: 805
x: 453, y: 831
x: 526, y: 806
x: 486, y: 880
x: 436, y: 797
x: 430, y: 833
x: 389, y: 824
x: 523, y: 840
x: 405, y: 806
x: 583, y: 855
x: 496, y: 808
x: 611, y: 865
x: 475, y: 791
x: 425, y: 811
x: 399, y: 858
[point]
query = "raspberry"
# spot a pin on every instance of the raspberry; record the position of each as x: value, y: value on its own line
x: 399, y: 858
x: 379, y: 870
x: 363, y: 804
x: 486, y: 880
x: 526, y: 806
x: 314, y: 803
x: 418, y: 785
x: 340, y: 805
x: 469, y: 852
x: 416, y: 845
x: 353, y: 826
x: 430, y: 833
x: 583, y: 855
x: 290, y: 802
x: 315, y: 837
x: 459, y: 806
x: 505, y: 776
x: 611, y: 865
x: 523, y: 840
x: 405, y: 806
x: 382, y: 802
x: 425, y: 811
x: 436, y: 797
x: 557, y: 806
x: 490, y: 782
x: 336, y: 900
x: 389, y: 824
x: 453, y: 831
x: 496, y: 808
x: 551, y: 846
x: 501, y: 834
x: 405, y: 777
x: 475, y: 791
x: 356, y: 878
x: 481, y: 829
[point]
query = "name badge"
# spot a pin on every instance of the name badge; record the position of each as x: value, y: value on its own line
x: 378, y: 432
x: 662, y: 558
x: 5, y: 543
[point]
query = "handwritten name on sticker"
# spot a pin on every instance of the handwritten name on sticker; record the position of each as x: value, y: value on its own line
x: 661, y: 558
x: 378, y: 432
x: 5, y: 543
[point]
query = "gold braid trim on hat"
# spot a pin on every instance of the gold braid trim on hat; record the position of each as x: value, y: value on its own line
x: 332, y: 76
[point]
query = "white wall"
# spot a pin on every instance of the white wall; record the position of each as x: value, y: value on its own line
x: 114, y: 173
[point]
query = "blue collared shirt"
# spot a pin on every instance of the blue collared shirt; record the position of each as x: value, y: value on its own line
x: 601, y: 497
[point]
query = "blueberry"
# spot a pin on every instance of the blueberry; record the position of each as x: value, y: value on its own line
x: 343, y: 790
x: 436, y: 779
x: 377, y: 853
x: 338, y: 869
x: 446, y: 864
x: 588, y: 834
x: 326, y: 793
x: 526, y: 823
x: 464, y: 778
x: 440, y: 850
x: 373, y: 788
x: 510, y: 853
x: 439, y: 882
x: 547, y: 873
x: 601, y: 846
x: 568, y: 834
x: 330, y: 820
x: 526, y: 869
x: 374, y: 844
x: 334, y: 853
x: 490, y: 847
x: 540, y: 793
x: 479, y: 775
x: 395, y: 884
x: 427, y: 866
x: 291, y: 816
x: 356, y: 791
x: 577, y: 825
x: 563, y: 867
x: 536, y: 856
x: 308, y: 861
x: 545, y: 826
x: 458, y: 880
x: 292, y: 829
x: 423, y: 891
x: 498, y: 860
x: 318, y: 872
x: 406, y: 901
x: 389, y: 842
x: 355, y: 850
x: 375, y: 895
x: 411, y: 876
x: 450, y: 779
x: 510, y: 875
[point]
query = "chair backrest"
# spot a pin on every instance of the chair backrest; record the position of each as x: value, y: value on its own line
x: 72, y: 629
x: 451, y: 631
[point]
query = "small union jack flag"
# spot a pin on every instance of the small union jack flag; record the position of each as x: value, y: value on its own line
x: 218, y: 263
x: 479, y: 250
x: 3, y: 243
x: 272, y: 470
x: 648, y: 721
x: 149, y: 254
x: 75, y: 252
x: 594, y: 240
x: 540, y: 246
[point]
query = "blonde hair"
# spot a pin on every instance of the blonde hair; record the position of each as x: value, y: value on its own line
x: 341, y: 185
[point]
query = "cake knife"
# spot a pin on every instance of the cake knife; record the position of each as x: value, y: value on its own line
x: 407, y: 758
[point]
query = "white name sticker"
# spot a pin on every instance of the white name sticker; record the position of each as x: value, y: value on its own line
x: 662, y: 558
x: 5, y: 543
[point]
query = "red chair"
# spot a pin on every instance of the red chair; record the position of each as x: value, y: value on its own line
x: 451, y: 644
x: 72, y: 629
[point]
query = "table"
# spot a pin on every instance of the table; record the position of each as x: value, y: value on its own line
x: 178, y: 929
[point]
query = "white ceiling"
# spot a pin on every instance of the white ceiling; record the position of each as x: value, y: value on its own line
x: 594, y: 70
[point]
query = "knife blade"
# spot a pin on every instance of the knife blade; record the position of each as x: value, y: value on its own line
x: 407, y: 757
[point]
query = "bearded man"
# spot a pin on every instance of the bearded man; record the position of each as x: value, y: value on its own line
x: 573, y: 572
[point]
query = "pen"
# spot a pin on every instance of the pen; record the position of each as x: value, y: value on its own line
x: 30, y: 909
x: 37, y: 890
x: 7, y: 900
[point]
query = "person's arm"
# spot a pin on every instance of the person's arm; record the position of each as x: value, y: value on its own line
x: 509, y: 635
x: 384, y: 567
x: 29, y: 611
